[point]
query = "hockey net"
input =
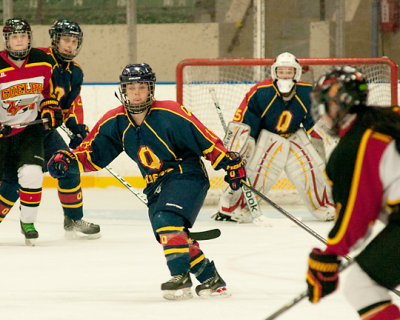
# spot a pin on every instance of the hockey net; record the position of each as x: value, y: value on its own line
x: 232, y: 78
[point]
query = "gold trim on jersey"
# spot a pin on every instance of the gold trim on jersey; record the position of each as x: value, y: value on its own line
x: 353, y: 189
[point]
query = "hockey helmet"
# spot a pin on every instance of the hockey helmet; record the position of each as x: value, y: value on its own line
x: 286, y: 59
x: 344, y: 86
x: 137, y: 73
x: 65, y: 28
x: 17, y: 25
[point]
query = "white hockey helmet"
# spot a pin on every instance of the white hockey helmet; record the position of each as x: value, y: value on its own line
x: 286, y: 59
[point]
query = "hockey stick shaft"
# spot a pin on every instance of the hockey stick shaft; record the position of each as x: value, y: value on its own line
x: 201, y: 235
x: 248, y: 195
x: 298, y: 222
x: 284, y: 212
x: 28, y: 123
x: 300, y: 297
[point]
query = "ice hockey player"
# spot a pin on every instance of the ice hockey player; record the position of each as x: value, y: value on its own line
x: 66, y: 37
x: 25, y: 86
x: 364, y: 169
x: 167, y: 142
x: 273, y: 131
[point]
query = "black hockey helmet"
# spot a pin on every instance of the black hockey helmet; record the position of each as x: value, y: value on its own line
x: 17, y: 25
x: 141, y: 73
x: 345, y: 86
x: 65, y: 28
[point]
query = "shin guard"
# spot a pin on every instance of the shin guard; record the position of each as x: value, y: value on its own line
x: 72, y: 202
x: 176, y: 248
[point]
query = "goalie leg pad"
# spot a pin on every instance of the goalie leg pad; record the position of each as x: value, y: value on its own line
x: 264, y: 170
x: 329, y: 141
x: 268, y: 161
x: 304, y: 169
x: 236, y: 137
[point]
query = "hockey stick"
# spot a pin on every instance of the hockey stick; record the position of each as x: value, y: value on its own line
x: 258, y: 217
x: 300, y: 297
x: 201, y: 235
x: 284, y: 212
x: 298, y: 222
x: 28, y: 123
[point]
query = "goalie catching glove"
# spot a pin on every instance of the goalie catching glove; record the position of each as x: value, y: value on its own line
x: 235, y: 171
x: 49, y: 109
x: 59, y: 163
x: 322, y: 274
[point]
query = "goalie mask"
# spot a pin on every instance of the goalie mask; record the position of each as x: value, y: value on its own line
x: 14, y: 26
x: 286, y: 59
x: 339, y: 93
x: 137, y: 73
x: 65, y: 28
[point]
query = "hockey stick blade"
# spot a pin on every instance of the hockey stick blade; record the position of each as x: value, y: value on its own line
x: 205, y: 235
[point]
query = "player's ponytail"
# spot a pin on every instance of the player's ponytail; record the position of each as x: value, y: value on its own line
x: 383, y: 120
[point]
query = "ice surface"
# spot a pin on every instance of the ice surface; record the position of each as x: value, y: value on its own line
x: 118, y: 277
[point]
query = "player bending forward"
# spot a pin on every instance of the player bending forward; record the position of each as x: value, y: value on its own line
x: 276, y: 114
x: 365, y: 172
x: 166, y: 141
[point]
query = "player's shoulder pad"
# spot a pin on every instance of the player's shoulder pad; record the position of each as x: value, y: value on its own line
x: 304, y: 84
x: 37, y: 55
x: 3, y: 63
x: 168, y: 106
x: 113, y: 113
x: 76, y: 67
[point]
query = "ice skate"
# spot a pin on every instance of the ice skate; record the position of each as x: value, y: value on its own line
x: 30, y: 233
x: 78, y: 229
x: 178, y: 287
x: 213, y: 287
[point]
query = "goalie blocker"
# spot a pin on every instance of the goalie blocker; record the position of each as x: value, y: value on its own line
x: 271, y: 155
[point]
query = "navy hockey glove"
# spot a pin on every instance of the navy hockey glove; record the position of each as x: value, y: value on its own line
x: 49, y: 109
x: 322, y: 274
x: 80, y: 131
x: 235, y: 171
x: 5, y: 130
x: 59, y: 163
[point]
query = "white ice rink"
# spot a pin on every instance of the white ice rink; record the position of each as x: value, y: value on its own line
x: 118, y: 277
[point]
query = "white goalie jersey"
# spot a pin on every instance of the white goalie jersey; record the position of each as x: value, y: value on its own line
x: 266, y: 159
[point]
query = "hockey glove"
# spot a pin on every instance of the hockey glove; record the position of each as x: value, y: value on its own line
x: 59, y: 163
x: 235, y: 171
x: 322, y: 274
x: 50, y: 110
x: 80, y: 131
x: 5, y: 130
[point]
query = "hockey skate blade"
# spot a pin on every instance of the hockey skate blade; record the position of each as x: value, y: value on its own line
x: 181, y: 294
x: 219, y: 293
x: 75, y: 235
x: 30, y: 242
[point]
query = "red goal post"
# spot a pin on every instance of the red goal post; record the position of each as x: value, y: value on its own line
x: 232, y: 78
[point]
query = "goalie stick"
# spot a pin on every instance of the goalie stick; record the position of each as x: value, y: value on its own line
x: 201, y: 235
x: 258, y: 217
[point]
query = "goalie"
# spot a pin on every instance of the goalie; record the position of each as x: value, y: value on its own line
x: 276, y: 114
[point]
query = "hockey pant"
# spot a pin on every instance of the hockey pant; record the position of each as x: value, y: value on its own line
x: 304, y: 168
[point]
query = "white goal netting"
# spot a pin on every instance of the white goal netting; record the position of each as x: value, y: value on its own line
x: 232, y: 78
